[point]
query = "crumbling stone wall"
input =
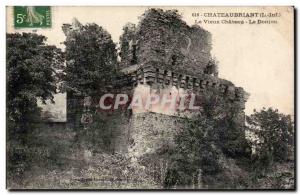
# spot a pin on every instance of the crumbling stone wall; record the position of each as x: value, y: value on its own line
x: 163, y: 40
x: 128, y: 45
x: 218, y: 97
x: 151, y: 132
x: 151, y: 140
x: 115, y: 129
x: 205, y: 86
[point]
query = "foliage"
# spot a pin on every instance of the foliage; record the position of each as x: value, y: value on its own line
x: 214, y: 135
x: 228, y: 125
x: 213, y: 147
x: 30, y: 76
x: 196, y: 153
x: 274, y: 133
x: 91, y: 58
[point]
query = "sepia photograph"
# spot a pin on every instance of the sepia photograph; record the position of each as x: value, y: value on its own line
x: 150, y: 98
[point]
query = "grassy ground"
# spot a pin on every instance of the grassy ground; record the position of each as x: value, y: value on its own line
x: 56, y: 159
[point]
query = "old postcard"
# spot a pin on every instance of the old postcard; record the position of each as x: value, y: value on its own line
x: 166, y: 98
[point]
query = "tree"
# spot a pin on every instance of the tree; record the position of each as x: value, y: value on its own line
x: 91, y: 58
x: 217, y: 133
x: 228, y: 117
x: 275, y: 133
x: 195, y: 153
x: 31, y: 74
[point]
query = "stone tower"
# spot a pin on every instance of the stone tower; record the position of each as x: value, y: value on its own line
x: 166, y: 56
x: 163, y: 55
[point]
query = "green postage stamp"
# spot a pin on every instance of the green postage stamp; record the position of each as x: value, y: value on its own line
x: 32, y: 17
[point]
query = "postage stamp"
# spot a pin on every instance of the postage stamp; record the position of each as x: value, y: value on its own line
x: 32, y: 17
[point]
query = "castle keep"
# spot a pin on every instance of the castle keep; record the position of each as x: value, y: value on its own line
x: 163, y: 55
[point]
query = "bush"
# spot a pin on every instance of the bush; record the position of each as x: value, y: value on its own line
x: 273, y: 136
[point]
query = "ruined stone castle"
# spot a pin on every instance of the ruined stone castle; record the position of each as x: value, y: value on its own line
x: 164, y: 55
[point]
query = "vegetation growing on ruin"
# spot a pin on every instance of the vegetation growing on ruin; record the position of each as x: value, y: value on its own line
x: 91, y: 59
x: 200, y: 159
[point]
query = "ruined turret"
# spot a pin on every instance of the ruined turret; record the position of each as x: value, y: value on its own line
x: 163, y: 40
x: 170, y: 57
x: 74, y: 26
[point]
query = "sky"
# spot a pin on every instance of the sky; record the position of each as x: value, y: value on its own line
x: 257, y: 57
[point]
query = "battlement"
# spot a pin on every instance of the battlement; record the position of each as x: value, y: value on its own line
x: 151, y: 75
